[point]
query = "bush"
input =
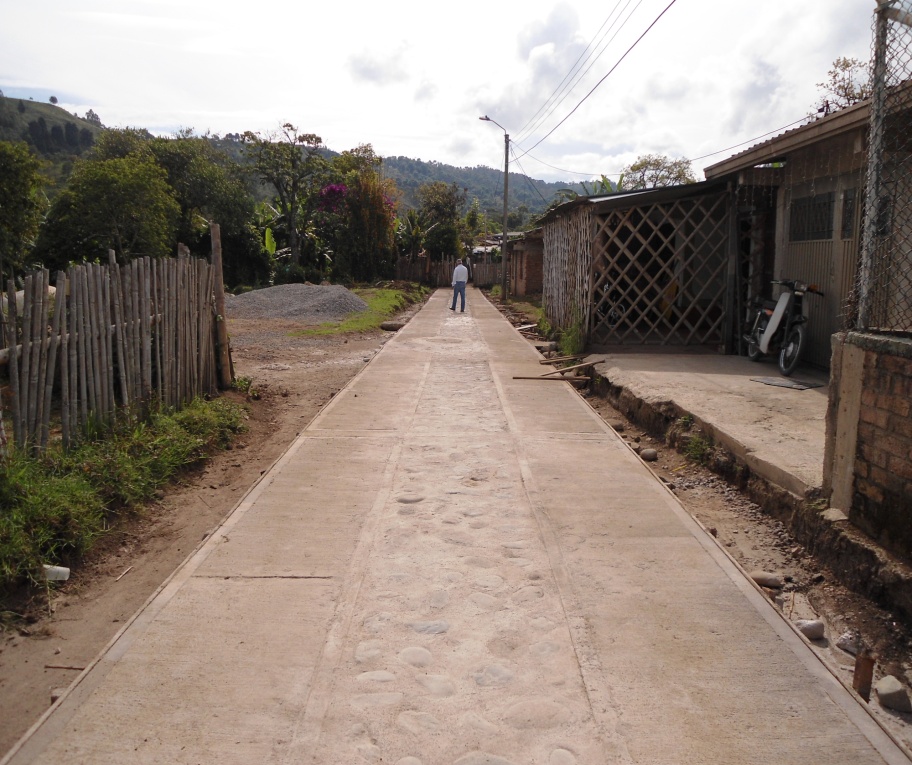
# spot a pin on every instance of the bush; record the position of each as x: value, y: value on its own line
x: 56, y: 505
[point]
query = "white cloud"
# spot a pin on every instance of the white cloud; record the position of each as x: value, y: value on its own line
x: 707, y: 76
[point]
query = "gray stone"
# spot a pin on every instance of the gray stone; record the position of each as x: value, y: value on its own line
x: 650, y: 455
x: 409, y: 761
x: 372, y: 700
x: 812, y: 629
x: 478, y: 723
x: 489, y: 581
x: 892, y: 694
x: 415, y: 656
x: 834, y: 515
x: 544, y: 648
x: 766, y: 579
x: 528, y: 594
x: 561, y: 757
x: 430, y: 628
x: 392, y: 326
x: 481, y: 758
x: 377, y: 676
x: 848, y: 642
x: 418, y: 722
x: 438, y: 685
x: 493, y: 675
x: 367, y: 650
x: 484, y: 602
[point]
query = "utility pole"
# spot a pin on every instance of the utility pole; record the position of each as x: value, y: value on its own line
x: 503, y: 241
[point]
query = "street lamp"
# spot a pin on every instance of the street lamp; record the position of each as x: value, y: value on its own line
x: 503, y: 243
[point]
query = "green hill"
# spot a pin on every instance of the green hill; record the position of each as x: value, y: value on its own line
x: 56, y: 136
x: 482, y: 183
x: 59, y: 137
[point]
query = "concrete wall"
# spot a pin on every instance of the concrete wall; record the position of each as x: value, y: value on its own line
x: 868, y: 459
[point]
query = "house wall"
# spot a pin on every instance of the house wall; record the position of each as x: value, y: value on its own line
x: 837, y: 166
x: 868, y: 461
x: 526, y: 266
x: 565, y: 290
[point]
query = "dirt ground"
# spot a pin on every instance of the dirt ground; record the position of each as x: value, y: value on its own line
x: 292, y: 378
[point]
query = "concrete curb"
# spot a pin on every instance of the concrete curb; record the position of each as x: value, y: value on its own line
x: 856, y: 560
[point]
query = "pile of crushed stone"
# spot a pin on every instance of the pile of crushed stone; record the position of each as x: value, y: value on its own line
x: 307, y: 303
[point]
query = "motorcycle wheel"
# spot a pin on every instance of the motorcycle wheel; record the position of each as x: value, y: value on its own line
x: 791, y: 350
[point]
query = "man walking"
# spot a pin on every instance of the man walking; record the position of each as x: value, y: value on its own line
x: 460, y: 277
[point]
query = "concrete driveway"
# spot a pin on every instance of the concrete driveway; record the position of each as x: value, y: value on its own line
x: 450, y: 565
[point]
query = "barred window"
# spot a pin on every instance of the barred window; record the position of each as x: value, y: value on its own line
x: 848, y: 214
x: 812, y: 217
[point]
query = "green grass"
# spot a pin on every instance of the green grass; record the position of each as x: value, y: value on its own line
x: 56, y: 505
x: 571, y: 340
x: 382, y: 303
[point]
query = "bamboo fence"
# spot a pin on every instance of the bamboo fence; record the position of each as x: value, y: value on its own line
x: 440, y: 273
x: 567, y: 265
x: 113, y: 338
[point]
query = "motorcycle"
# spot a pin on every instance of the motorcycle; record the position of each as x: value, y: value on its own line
x: 780, y: 325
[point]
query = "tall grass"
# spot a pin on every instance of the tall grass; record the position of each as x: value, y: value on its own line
x: 53, y: 507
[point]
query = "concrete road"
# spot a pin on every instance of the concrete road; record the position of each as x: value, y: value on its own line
x: 453, y: 566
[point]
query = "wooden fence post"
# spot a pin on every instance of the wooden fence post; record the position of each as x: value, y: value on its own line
x: 225, y: 377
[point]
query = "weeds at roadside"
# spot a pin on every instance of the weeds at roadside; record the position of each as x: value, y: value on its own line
x: 697, y: 449
x: 382, y: 304
x: 58, y: 504
x: 572, y: 340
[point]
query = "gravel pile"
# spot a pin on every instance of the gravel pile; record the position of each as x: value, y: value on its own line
x: 307, y: 303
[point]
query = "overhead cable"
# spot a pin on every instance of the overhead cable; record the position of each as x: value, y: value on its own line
x: 572, y: 74
x: 610, y: 71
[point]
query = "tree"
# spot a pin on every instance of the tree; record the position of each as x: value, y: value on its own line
x: 410, y: 233
x: 440, y: 209
x: 53, y: 100
x: 290, y: 162
x: 206, y: 186
x: 93, y: 118
x: 22, y: 204
x: 366, y: 248
x: 847, y: 83
x: 124, y: 204
x: 651, y: 171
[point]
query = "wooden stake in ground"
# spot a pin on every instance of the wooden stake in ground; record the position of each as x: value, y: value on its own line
x: 221, y: 324
x: 864, y: 673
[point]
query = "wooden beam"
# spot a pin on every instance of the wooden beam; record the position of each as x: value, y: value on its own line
x: 558, y: 359
x: 567, y: 369
x: 552, y: 379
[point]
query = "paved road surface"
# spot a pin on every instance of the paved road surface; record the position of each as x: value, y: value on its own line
x: 453, y: 566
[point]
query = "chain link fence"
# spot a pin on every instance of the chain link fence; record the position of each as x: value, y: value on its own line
x: 884, y: 282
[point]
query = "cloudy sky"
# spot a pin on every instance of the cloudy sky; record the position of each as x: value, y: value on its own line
x: 412, y: 78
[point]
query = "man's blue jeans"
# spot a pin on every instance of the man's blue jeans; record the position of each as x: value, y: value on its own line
x: 458, y: 290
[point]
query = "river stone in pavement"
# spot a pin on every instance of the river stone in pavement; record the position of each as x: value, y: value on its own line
x: 458, y: 650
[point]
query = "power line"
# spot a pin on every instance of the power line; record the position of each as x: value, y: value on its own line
x: 749, y: 140
x: 528, y: 179
x: 572, y: 111
x: 694, y: 159
x: 571, y: 75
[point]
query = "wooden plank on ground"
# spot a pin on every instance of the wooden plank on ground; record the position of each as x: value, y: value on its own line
x: 566, y: 369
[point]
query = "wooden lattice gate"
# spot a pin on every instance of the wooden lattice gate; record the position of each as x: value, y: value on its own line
x: 659, y: 273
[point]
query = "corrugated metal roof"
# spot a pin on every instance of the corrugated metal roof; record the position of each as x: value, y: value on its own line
x: 850, y: 118
x: 637, y: 196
